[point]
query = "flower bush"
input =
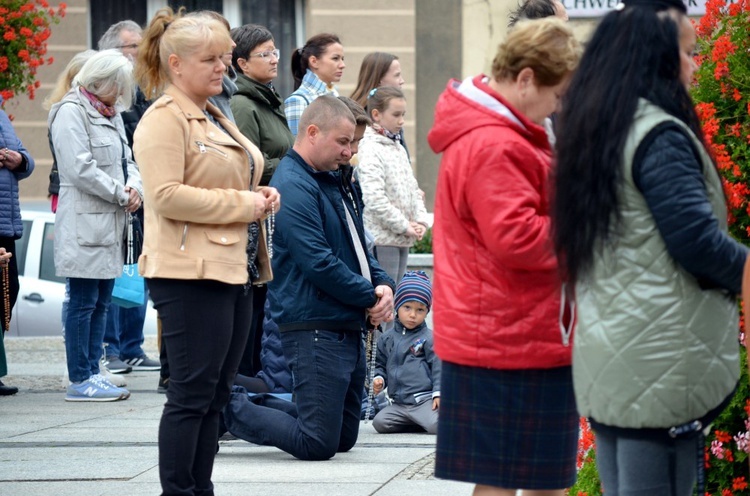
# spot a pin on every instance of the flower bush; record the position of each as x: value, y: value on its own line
x: 25, y: 28
x: 722, y: 94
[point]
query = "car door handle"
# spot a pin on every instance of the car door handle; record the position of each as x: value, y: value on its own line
x: 35, y: 297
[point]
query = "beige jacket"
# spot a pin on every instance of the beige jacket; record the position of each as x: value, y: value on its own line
x: 198, y: 193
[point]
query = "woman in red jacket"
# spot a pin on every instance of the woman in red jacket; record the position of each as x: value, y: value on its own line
x: 507, y: 418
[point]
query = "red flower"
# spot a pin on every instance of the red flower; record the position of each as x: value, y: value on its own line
x: 739, y: 483
x: 734, y: 130
x: 723, y: 47
x: 729, y: 455
x: 24, y: 27
x: 722, y: 437
x: 726, y: 492
x: 736, y: 94
x: 722, y: 69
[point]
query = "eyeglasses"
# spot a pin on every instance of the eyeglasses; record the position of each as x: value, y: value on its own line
x: 132, y: 46
x: 267, y: 54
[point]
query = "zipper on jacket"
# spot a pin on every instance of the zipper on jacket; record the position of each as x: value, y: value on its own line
x: 184, y: 237
x: 204, y: 148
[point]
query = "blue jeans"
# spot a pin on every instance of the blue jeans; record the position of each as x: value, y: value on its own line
x: 84, y: 325
x: 328, y: 371
x: 124, y: 331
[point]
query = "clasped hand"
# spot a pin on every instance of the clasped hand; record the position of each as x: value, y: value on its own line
x: 382, y: 311
x: 269, y: 200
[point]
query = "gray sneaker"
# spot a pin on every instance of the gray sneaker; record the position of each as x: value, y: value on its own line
x: 142, y: 362
x: 117, y: 366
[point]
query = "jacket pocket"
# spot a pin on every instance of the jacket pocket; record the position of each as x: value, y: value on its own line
x: 225, y: 238
x: 96, y: 228
x: 102, y: 150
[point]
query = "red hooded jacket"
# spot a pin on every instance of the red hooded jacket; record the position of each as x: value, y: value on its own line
x: 496, y: 286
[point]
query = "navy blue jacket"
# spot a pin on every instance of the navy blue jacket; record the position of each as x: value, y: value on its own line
x: 274, y: 369
x: 317, y: 282
x: 10, y: 210
x: 668, y: 172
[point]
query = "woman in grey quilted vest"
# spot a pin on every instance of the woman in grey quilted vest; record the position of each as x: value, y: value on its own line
x: 641, y: 229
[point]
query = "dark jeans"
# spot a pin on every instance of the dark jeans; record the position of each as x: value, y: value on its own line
x: 84, y: 325
x: 124, y: 331
x: 204, y: 329
x: 328, y: 371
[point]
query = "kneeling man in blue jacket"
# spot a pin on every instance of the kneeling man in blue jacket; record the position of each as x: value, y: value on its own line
x: 325, y: 287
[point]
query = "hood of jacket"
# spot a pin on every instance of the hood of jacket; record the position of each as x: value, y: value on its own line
x: 254, y: 90
x: 470, y: 104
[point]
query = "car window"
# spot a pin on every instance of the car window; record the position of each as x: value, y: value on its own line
x: 47, y: 262
x: 21, y: 245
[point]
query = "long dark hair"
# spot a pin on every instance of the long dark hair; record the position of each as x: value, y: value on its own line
x: 315, y: 46
x: 633, y: 54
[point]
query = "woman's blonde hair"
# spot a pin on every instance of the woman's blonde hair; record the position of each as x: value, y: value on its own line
x: 547, y: 46
x: 65, y: 79
x: 171, y: 32
x: 108, y: 73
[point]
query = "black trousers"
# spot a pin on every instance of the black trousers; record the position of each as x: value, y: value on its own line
x: 204, y: 330
x: 250, y: 363
x: 10, y: 246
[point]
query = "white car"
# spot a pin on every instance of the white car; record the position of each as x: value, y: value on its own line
x: 38, y: 309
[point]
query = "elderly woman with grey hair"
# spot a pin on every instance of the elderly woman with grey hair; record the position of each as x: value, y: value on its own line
x: 99, y: 184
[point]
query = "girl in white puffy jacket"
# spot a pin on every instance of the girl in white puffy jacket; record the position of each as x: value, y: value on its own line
x: 395, y: 213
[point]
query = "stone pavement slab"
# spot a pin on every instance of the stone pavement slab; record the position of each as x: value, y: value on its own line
x: 52, y: 448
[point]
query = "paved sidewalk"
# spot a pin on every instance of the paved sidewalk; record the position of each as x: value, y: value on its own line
x: 52, y: 447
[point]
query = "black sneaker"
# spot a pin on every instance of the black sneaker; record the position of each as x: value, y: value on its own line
x: 142, y: 362
x: 7, y: 390
x: 163, y: 385
x: 117, y: 366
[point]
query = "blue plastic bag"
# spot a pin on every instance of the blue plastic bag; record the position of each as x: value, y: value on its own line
x: 130, y: 289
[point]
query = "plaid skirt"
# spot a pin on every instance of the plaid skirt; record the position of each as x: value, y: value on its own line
x: 514, y: 429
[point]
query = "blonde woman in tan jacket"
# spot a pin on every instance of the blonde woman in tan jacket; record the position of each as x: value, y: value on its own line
x: 204, y: 245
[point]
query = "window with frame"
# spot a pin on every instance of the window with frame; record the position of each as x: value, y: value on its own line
x: 104, y: 14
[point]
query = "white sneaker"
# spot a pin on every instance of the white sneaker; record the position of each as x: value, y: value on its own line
x: 114, y: 379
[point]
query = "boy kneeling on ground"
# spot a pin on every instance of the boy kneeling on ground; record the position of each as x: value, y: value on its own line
x: 406, y: 361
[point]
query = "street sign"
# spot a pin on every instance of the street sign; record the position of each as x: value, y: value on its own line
x: 598, y: 8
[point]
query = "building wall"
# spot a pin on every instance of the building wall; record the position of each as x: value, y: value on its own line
x: 68, y: 38
x: 435, y: 40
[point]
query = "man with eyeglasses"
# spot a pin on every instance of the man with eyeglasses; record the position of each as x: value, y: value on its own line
x: 124, y: 36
